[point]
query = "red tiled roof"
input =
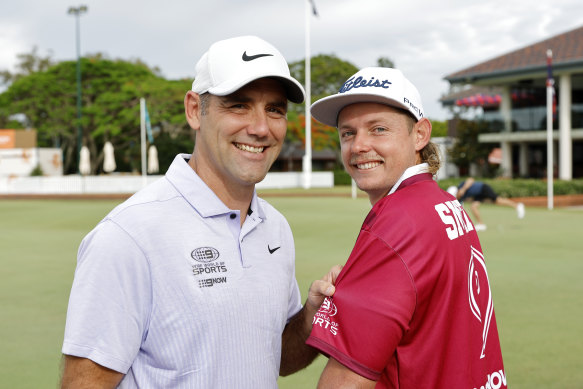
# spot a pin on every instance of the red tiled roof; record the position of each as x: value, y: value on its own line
x: 567, y: 49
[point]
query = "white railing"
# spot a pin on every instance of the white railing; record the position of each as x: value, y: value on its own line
x: 112, y: 184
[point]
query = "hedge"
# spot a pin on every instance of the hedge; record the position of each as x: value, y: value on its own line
x: 523, y: 187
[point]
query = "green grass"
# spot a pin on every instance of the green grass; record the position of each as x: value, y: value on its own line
x: 535, y: 266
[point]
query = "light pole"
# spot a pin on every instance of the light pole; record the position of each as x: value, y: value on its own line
x: 77, y: 11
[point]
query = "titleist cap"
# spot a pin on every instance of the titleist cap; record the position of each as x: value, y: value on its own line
x: 370, y: 85
x: 232, y: 63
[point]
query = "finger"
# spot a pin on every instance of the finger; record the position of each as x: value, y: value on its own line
x: 322, y: 288
x: 333, y: 274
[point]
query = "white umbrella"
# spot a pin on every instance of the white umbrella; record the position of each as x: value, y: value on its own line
x: 84, y: 161
x: 108, y: 158
x: 153, y: 160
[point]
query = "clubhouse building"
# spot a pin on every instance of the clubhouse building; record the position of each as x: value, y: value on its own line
x: 509, y: 93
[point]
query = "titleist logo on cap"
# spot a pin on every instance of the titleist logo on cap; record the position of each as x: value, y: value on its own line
x: 361, y: 82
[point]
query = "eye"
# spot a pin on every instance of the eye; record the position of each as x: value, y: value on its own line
x: 379, y: 130
x: 277, y: 110
x: 346, y: 134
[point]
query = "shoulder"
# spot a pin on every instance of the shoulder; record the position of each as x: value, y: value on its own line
x: 271, y: 213
x: 156, y: 195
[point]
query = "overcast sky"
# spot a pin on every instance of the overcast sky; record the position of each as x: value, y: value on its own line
x: 426, y: 39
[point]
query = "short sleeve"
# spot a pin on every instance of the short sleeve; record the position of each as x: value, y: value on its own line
x: 369, y: 313
x: 110, y: 299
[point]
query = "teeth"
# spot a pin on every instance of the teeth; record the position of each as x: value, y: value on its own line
x: 248, y: 148
x: 368, y: 165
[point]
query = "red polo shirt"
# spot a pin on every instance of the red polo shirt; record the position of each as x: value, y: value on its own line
x: 413, y: 306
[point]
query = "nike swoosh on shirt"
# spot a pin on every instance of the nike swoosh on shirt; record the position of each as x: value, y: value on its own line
x: 247, y: 58
x: 271, y: 251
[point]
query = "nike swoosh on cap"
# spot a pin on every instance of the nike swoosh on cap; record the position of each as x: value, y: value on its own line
x: 247, y: 58
x: 271, y: 251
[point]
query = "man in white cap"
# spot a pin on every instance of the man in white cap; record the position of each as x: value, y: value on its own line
x: 413, y: 306
x: 191, y: 283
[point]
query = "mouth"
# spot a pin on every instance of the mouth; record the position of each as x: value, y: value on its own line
x: 249, y: 148
x: 368, y: 165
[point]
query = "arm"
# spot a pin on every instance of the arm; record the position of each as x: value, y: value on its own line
x: 295, y: 354
x: 336, y: 375
x: 86, y: 374
x: 467, y: 184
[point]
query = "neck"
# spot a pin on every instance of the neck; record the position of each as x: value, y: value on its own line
x: 234, y: 195
x: 375, y: 196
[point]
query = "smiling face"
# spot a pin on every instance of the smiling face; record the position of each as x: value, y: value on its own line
x: 239, y: 136
x: 378, y: 143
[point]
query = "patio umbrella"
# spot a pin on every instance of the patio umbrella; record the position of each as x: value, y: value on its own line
x: 84, y: 161
x: 153, y: 160
x: 108, y: 158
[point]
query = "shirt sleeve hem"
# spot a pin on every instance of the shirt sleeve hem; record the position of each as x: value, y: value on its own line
x: 344, y: 359
x: 96, y: 356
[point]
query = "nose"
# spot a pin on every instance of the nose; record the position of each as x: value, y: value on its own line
x: 259, y: 125
x: 361, y: 143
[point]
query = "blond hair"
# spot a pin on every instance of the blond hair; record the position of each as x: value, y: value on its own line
x: 428, y: 154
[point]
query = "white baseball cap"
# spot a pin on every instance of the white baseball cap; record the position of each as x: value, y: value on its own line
x: 232, y: 63
x: 370, y: 85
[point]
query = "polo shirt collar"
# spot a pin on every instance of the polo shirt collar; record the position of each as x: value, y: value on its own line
x: 197, y: 193
x: 408, y: 173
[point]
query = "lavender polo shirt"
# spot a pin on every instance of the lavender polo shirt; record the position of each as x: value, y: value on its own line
x: 170, y: 290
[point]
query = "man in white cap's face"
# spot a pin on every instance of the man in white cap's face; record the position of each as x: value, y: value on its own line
x: 378, y: 144
x: 238, y: 136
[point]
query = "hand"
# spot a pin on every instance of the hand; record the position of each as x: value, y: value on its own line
x: 295, y: 354
x: 322, y: 288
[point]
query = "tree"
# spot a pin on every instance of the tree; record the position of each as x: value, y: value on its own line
x: 467, y: 150
x: 28, y: 63
x: 327, y: 73
x: 111, y: 91
x: 385, y: 62
x: 438, y: 128
x: 323, y: 136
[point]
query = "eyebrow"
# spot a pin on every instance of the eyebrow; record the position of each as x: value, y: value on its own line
x: 367, y: 123
x: 242, y: 98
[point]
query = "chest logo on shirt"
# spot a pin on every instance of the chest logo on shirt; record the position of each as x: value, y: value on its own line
x: 480, y: 295
x: 207, y: 264
x: 328, y: 307
x: 323, y: 318
x: 205, y: 254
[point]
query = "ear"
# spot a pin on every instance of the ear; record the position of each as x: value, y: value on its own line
x: 192, y: 109
x: 422, y: 133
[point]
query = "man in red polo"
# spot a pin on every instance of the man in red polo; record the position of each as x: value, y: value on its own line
x: 413, y: 306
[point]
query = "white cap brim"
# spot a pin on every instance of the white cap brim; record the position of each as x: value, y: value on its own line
x: 327, y: 109
x: 294, y: 90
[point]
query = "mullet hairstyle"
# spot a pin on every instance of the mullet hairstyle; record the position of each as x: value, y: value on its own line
x: 430, y: 153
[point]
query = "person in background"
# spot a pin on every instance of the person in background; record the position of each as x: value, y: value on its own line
x: 480, y: 192
x: 413, y: 306
x: 191, y: 282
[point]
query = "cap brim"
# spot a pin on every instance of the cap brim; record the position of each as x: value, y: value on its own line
x: 327, y: 109
x: 294, y: 90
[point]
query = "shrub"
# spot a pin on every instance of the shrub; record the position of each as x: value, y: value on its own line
x: 341, y: 177
x: 37, y: 171
x: 523, y: 187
